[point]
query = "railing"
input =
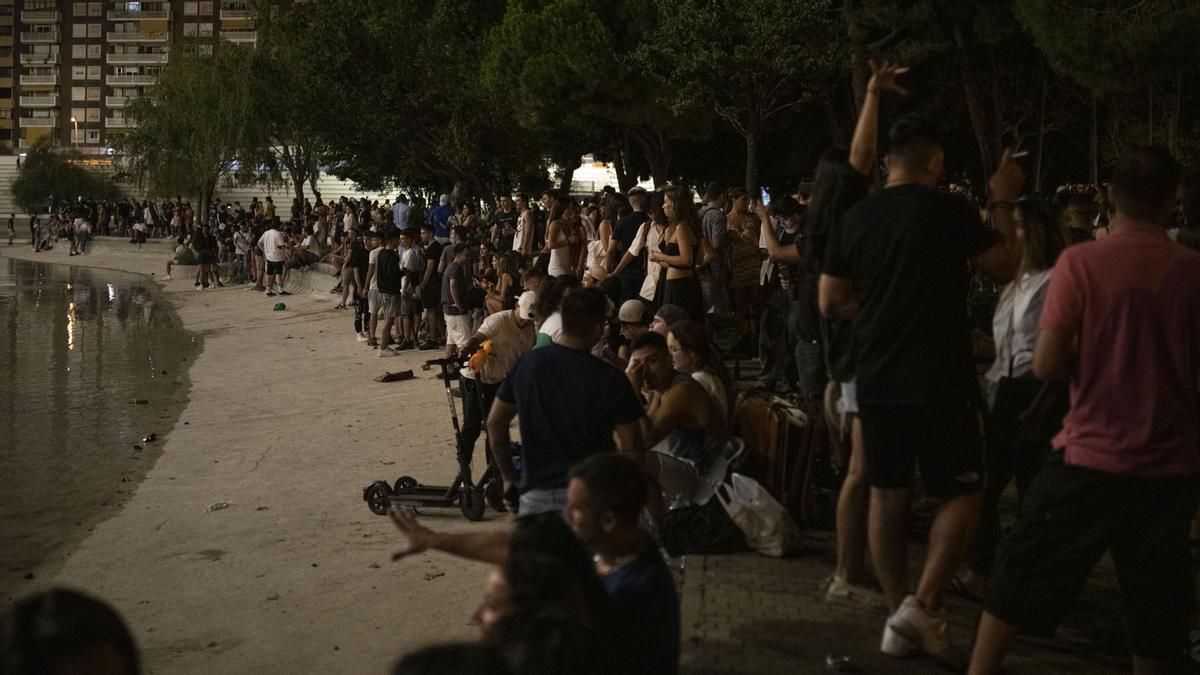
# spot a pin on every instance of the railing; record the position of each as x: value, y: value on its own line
x: 119, y: 123
x: 237, y: 13
x: 39, y: 79
x: 39, y: 101
x: 239, y: 35
x: 39, y: 122
x: 119, y: 58
x: 39, y: 59
x: 116, y: 101
x: 130, y: 80
x: 136, y: 36
x: 39, y: 37
x: 50, y: 16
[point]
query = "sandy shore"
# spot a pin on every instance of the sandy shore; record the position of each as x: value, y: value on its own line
x: 285, y: 425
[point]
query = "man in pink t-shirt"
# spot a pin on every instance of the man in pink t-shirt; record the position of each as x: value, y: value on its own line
x: 1122, y: 321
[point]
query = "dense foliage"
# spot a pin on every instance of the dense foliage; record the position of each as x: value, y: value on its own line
x: 477, y: 96
x: 48, y: 176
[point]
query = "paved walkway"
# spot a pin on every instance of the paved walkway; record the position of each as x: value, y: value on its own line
x: 748, y: 613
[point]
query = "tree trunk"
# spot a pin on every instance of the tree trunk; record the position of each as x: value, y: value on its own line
x: 298, y: 180
x: 974, y: 104
x: 753, y: 138
x: 1173, y: 132
x: 1041, y: 146
x: 565, y: 180
x: 312, y: 183
x: 624, y: 180
x: 657, y: 149
x: 1094, y: 169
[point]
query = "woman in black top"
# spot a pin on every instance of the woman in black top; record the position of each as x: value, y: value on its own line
x: 679, y: 248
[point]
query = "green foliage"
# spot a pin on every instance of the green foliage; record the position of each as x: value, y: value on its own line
x: 198, y: 125
x: 47, y: 174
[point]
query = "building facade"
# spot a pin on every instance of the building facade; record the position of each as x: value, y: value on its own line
x: 68, y: 70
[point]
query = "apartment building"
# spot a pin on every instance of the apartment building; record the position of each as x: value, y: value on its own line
x: 79, y: 64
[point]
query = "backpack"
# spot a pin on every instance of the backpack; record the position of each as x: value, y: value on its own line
x: 388, y: 273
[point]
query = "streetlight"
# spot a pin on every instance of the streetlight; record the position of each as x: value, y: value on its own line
x: 75, y: 136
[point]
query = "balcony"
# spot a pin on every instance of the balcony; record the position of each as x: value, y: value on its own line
x: 130, y: 80
x: 127, y: 15
x: 236, y: 13
x: 43, y: 101
x: 38, y: 80
x: 39, y: 59
x: 239, y: 35
x: 117, y: 101
x: 119, y: 123
x: 137, y: 36
x: 48, y: 16
x: 39, y: 37
x: 123, y: 59
x: 39, y: 122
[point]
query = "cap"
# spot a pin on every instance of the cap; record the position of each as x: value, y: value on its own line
x: 633, y: 311
x: 597, y: 272
x: 525, y: 305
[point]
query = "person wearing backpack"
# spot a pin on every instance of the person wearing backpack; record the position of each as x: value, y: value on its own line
x: 390, y: 280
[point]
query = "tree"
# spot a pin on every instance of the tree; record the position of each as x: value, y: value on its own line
x: 569, y: 66
x: 47, y: 175
x: 198, y: 125
x: 749, y: 62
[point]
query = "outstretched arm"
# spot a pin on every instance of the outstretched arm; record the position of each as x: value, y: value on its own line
x: 490, y: 547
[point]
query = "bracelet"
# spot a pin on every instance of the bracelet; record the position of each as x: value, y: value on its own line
x: 1001, y: 205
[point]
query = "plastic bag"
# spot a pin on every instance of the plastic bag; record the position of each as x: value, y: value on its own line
x: 768, y: 527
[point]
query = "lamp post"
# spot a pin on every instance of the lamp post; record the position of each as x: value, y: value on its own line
x: 75, y: 135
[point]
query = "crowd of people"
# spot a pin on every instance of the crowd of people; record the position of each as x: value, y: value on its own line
x: 591, y: 323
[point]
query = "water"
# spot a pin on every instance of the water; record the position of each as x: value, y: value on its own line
x: 78, y: 348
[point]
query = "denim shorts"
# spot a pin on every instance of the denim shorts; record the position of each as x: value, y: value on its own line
x: 538, y: 501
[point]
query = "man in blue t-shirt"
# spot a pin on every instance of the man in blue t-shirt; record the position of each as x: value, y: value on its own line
x: 439, y: 218
x: 569, y: 402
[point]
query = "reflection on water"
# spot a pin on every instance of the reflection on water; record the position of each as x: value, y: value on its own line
x: 77, y: 349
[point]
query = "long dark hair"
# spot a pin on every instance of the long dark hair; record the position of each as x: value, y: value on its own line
x: 550, y: 299
x: 1044, y: 236
x: 819, y: 220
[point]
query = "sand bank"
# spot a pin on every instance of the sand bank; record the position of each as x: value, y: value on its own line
x: 285, y: 426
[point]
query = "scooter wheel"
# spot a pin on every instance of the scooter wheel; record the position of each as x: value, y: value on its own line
x: 404, y: 485
x: 378, y: 497
x: 471, y: 502
x: 493, y: 493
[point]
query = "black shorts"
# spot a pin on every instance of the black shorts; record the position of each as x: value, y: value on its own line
x: 274, y: 267
x: 945, y: 442
x: 1068, y: 520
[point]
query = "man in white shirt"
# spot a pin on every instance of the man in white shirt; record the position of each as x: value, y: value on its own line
x: 273, y: 247
x: 647, y: 238
x: 523, y: 239
x: 411, y: 264
x: 400, y: 212
x: 375, y: 243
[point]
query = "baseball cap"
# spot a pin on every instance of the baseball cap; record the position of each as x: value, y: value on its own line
x: 632, y: 311
x: 525, y: 305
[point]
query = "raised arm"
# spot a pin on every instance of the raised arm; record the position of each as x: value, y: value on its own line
x: 777, y: 252
x: 863, y: 146
x: 999, y: 263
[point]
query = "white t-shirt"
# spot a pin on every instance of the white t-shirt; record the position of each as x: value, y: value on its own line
x: 310, y: 244
x: 650, y: 284
x: 552, y: 327
x: 712, y: 384
x: 271, y: 244
x: 519, y: 237
x: 373, y: 259
x: 508, y: 342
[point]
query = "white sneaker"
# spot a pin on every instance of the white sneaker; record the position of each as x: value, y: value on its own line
x: 387, y: 352
x: 841, y: 591
x: 928, y: 631
x: 362, y: 338
x: 894, y: 645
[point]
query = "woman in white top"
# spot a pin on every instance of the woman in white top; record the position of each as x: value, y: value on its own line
x: 692, y: 352
x: 562, y: 238
x: 1010, y: 387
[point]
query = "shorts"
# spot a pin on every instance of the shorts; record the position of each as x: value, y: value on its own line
x: 1070, y: 517
x: 458, y: 330
x: 946, y: 442
x: 373, y: 300
x: 847, y: 403
x: 431, y: 296
x: 389, y: 305
x: 407, y: 305
x: 274, y: 267
x: 534, y: 502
